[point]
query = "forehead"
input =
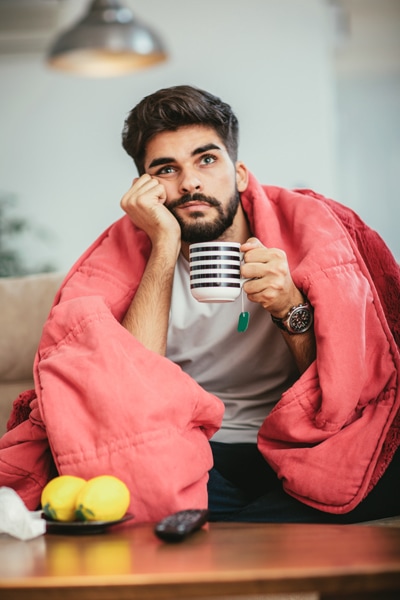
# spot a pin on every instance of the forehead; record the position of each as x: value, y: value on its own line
x: 181, y: 143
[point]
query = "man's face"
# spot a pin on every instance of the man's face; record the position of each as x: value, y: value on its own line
x: 201, y: 182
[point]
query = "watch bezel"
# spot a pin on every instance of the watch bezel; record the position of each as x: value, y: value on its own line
x: 291, y: 321
x: 287, y: 324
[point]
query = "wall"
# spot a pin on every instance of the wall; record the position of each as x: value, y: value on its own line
x: 60, y: 146
x: 367, y: 67
x: 60, y: 150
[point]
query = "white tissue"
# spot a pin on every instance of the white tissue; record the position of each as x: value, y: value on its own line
x: 16, y: 519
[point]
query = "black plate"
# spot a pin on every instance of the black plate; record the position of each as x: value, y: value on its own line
x: 81, y: 527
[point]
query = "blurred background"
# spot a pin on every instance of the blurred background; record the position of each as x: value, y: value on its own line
x: 315, y: 84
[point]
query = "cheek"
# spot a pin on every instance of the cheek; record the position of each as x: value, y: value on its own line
x: 171, y: 189
x: 229, y: 176
x: 221, y: 182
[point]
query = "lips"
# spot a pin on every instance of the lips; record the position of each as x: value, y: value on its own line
x: 195, y: 206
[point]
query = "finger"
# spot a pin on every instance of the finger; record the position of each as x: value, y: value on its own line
x: 145, y: 189
x: 145, y: 182
x: 252, y: 242
x: 154, y: 189
x: 254, y: 270
x: 257, y: 255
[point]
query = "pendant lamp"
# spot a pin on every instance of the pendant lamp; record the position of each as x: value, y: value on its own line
x: 108, y: 41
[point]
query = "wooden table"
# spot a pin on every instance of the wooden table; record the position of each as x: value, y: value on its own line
x: 129, y: 562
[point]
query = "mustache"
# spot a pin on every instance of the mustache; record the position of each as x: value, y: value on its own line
x: 192, y: 198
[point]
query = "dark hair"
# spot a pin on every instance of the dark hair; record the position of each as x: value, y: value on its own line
x: 172, y: 108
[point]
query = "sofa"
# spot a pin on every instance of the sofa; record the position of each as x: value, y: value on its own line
x: 25, y: 303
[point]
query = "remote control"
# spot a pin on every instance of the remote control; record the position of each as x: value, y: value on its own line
x: 180, y: 525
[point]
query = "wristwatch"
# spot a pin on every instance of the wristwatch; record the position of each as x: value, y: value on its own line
x: 298, y: 320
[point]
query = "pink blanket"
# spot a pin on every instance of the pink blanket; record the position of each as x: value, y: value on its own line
x: 105, y: 404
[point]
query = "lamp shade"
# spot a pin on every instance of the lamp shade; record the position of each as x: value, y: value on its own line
x: 107, y: 41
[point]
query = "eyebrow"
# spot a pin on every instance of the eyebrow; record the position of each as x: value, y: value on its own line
x: 164, y: 160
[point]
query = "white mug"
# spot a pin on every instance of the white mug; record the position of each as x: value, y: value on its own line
x: 215, y: 271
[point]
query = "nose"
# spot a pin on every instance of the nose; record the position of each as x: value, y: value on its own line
x: 189, y: 183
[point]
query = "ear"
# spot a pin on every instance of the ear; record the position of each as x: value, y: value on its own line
x: 242, y: 176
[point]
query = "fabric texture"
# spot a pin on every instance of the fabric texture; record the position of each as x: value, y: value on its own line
x: 104, y: 403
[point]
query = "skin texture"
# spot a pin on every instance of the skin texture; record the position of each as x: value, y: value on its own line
x: 179, y: 164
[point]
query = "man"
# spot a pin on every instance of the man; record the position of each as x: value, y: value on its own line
x: 310, y: 391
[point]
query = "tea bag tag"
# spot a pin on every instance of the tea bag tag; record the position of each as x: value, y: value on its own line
x: 244, y: 318
x: 243, y: 321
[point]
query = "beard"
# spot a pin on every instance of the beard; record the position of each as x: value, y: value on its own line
x: 195, y: 230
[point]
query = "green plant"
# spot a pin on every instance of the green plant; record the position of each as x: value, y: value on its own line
x: 12, y: 228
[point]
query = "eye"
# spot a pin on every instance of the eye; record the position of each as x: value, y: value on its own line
x: 208, y: 159
x: 165, y: 170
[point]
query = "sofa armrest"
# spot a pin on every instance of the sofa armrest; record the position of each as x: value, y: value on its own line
x: 25, y: 303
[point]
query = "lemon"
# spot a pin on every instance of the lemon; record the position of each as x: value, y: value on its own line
x: 102, y: 498
x: 59, y: 497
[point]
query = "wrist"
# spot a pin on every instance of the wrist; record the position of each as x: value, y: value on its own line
x: 295, y: 299
x: 166, y: 246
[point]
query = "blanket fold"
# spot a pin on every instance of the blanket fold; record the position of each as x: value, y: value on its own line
x: 130, y: 410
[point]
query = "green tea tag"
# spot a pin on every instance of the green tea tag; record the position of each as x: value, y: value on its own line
x: 243, y: 321
x: 244, y: 316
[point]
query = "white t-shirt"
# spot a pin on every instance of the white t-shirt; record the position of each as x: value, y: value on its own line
x: 247, y: 370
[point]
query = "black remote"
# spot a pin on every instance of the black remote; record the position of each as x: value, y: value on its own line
x: 180, y: 525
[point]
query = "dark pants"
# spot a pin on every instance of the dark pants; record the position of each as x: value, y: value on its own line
x: 243, y: 487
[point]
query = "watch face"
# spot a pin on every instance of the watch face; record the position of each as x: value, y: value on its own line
x: 300, y: 320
